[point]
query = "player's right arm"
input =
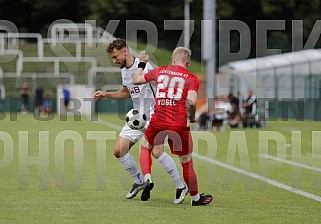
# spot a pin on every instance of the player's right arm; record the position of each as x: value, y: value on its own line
x: 138, y: 77
x: 119, y: 94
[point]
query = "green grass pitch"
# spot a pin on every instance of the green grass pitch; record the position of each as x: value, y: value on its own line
x: 63, y: 171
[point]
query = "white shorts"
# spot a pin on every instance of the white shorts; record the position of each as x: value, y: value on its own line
x: 131, y: 134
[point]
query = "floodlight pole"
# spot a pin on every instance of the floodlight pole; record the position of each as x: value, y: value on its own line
x: 208, y: 47
x: 186, y: 22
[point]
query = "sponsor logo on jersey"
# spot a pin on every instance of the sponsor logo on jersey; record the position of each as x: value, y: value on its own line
x: 134, y: 90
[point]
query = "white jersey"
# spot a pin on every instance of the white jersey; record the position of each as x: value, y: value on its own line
x: 143, y: 96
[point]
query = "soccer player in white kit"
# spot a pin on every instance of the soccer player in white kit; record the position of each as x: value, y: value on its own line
x: 143, y: 97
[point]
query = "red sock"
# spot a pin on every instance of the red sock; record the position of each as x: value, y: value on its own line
x: 190, y: 177
x: 145, y: 160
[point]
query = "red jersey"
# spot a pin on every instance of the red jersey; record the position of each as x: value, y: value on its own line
x: 173, y: 83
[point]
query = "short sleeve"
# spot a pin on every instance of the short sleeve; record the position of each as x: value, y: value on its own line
x: 194, y: 84
x: 151, y: 75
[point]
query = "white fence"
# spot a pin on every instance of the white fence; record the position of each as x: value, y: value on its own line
x: 78, y: 34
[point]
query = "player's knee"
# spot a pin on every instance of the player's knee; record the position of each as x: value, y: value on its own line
x: 118, y: 152
x: 185, y: 158
x: 157, y: 151
x: 156, y: 154
x: 145, y: 144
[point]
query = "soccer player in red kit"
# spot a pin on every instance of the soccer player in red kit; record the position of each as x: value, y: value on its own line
x: 175, y: 102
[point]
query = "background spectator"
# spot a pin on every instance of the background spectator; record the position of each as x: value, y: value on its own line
x: 222, y: 110
x: 47, y: 104
x: 24, y: 93
x: 249, y: 113
x: 38, y: 100
x: 234, y: 117
x: 66, y: 94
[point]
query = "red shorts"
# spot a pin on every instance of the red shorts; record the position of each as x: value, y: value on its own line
x: 179, y: 138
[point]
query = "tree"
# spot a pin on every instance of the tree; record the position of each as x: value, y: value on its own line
x: 37, y: 15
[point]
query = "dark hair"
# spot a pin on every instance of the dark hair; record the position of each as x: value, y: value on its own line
x: 117, y: 44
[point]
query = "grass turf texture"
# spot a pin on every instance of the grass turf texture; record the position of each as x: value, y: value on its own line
x: 85, y: 194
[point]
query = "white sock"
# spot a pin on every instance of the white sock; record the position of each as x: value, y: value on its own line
x: 147, y: 177
x: 195, y: 197
x: 129, y: 164
x: 170, y: 167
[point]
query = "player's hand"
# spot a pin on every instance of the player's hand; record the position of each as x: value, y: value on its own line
x: 191, y: 118
x: 143, y: 57
x: 99, y: 94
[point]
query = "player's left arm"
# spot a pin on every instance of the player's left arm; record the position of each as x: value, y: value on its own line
x: 193, y: 86
x: 192, y: 100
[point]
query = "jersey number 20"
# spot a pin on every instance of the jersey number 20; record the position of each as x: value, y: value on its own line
x: 175, y: 87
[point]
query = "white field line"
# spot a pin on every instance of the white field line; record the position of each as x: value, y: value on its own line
x: 260, y: 178
x: 292, y: 163
x: 237, y: 170
x: 108, y: 124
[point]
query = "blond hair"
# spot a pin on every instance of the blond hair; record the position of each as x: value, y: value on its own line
x: 181, y: 55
